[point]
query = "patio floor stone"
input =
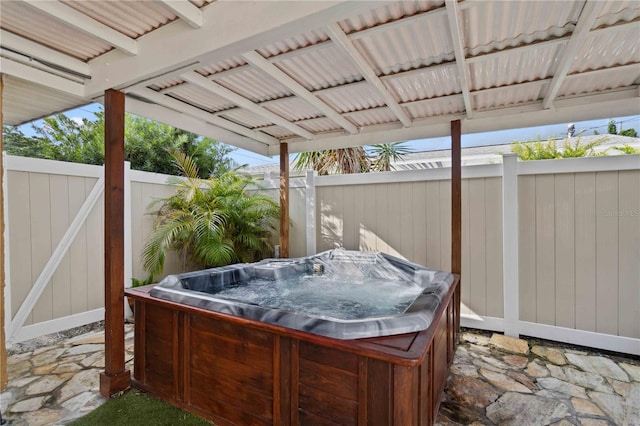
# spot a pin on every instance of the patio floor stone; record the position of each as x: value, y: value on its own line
x: 544, y: 384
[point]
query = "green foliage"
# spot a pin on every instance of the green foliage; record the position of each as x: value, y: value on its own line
x: 351, y: 160
x: 139, y: 283
x: 147, y: 144
x: 627, y: 149
x: 211, y: 222
x: 572, y: 148
x: 629, y: 132
x: 611, y: 127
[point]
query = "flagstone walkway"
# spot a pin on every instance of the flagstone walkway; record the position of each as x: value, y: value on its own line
x: 494, y: 380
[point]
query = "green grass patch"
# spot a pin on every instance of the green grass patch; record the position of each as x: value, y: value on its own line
x: 137, y: 408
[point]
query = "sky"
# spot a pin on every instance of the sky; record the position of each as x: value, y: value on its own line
x: 251, y: 159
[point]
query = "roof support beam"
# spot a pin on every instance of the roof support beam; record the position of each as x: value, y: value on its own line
x: 44, y: 78
x: 180, y: 106
x: 194, y: 125
x: 43, y: 54
x: 213, y: 87
x: 455, y: 28
x: 185, y: 10
x: 340, y: 39
x: 586, y: 20
x: 86, y: 24
x: 258, y: 61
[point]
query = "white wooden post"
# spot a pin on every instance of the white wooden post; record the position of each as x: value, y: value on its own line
x: 310, y: 196
x: 510, y: 244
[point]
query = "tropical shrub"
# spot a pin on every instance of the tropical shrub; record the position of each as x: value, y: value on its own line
x: 572, y: 148
x: 210, y: 222
x: 627, y: 149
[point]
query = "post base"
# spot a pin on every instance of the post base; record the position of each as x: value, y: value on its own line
x: 111, y: 384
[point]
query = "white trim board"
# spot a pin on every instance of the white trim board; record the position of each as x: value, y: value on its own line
x: 589, y: 339
x: 482, y: 323
x: 37, y: 165
x: 59, y: 324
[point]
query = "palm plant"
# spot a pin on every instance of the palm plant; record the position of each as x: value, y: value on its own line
x: 351, y: 160
x: 210, y: 222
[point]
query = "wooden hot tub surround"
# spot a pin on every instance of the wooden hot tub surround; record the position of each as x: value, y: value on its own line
x: 236, y: 371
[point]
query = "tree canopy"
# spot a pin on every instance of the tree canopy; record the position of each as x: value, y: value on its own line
x: 147, y: 144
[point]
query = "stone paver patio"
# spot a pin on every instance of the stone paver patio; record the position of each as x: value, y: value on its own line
x: 495, y: 380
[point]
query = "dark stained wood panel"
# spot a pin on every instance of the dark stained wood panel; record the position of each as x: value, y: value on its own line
x: 224, y: 410
x: 327, y: 356
x: 329, y: 379
x: 232, y: 331
x: 379, y: 393
x: 214, y: 366
x: 327, y: 405
x: 226, y: 388
x: 310, y: 419
x: 258, y: 357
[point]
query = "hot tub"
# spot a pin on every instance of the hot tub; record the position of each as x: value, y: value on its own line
x: 232, y: 345
x: 340, y: 294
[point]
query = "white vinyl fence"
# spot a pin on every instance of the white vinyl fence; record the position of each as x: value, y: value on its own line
x: 551, y: 249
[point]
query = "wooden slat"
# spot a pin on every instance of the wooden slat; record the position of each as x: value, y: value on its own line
x: 79, y: 279
x: 493, y: 251
x: 231, y: 413
x: 445, y: 225
x: 607, y: 255
x: 282, y: 392
x: 432, y: 213
x: 231, y: 331
x: 226, y: 389
x: 331, y: 357
x: 363, y: 412
x: 327, y: 405
x: 418, y: 223
x: 236, y: 350
x: 527, y: 247
x: 307, y: 418
x: 629, y: 252
x: 329, y: 379
x: 40, y: 209
x: 585, y: 251
x: 61, y: 280
x: 284, y: 200
x: 220, y: 367
x: 466, y: 251
x: 477, y: 278
x: 545, y: 249
x: 95, y: 252
x: 405, y: 390
x: 565, y: 250
x: 379, y: 396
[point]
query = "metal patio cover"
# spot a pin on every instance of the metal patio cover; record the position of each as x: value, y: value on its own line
x: 325, y: 74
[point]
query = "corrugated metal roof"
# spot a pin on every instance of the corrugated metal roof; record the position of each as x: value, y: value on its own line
x: 595, y: 82
x: 512, y: 50
x: 517, y: 67
x: 436, y: 107
x: 387, y: 13
x: 424, y: 84
x: 508, y: 97
x: 319, y: 125
x: 18, y: 18
x: 371, y: 117
x: 201, y: 98
x: 496, y: 25
x: 293, y: 109
x: 623, y: 47
x: 320, y: 68
x: 408, y: 46
x: 352, y: 97
x: 294, y: 43
x: 34, y: 101
x: 245, y: 118
x: 253, y: 84
x: 132, y: 18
